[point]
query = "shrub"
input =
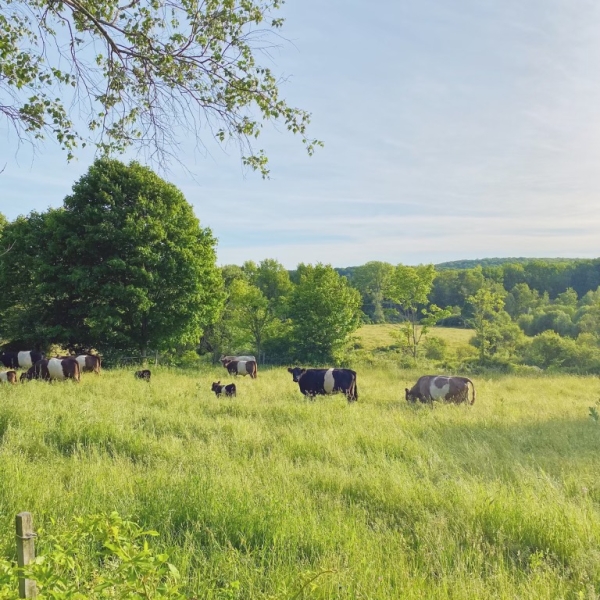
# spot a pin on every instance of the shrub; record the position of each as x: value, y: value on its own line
x: 97, y: 556
x: 436, y: 348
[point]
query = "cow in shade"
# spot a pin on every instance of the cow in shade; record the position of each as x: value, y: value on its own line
x: 20, y: 360
x: 8, y: 377
x: 228, y: 390
x: 440, y: 387
x: 53, y: 369
x: 313, y: 382
x: 241, y: 367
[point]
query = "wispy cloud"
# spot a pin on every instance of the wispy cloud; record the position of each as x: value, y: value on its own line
x: 453, y: 129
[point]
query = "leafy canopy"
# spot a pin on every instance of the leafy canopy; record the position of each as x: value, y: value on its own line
x: 124, y: 265
x: 142, y: 73
x: 324, y: 310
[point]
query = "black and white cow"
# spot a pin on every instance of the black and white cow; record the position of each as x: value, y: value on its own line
x: 241, y: 367
x: 314, y: 382
x: 441, y: 387
x: 88, y: 363
x: 20, y: 360
x: 228, y: 390
x: 8, y: 377
x: 53, y: 369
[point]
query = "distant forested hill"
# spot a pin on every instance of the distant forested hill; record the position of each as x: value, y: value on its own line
x: 495, y: 262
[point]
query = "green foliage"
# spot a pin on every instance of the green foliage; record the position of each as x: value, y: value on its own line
x: 550, y: 350
x: 435, y: 348
x: 97, y: 556
x: 123, y: 266
x: 372, y: 280
x: 495, y: 333
x: 410, y: 287
x: 324, y: 311
x: 141, y: 74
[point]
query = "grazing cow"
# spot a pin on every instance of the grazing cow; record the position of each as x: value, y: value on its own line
x: 144, y: 374
x: 228, y: 390
x: 50, y: 369
x: 313, y: 382
x: 88, y: 363
x: 225, y: 359
x: 439, y: 387
x: 8, y: 377
x: 20, y: 360
x: 241, y: 367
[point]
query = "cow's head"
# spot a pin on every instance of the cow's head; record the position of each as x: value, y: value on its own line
x: 216, y: 386
x: 410, y: 397
x: 24, y: 377
x: 296, y: 372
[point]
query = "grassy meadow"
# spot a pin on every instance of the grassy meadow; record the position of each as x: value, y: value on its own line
x: 253, y: 497
x: 380, y: 337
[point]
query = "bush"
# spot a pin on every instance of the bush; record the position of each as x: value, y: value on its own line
x: 435, y: 348
x: 97, y: 556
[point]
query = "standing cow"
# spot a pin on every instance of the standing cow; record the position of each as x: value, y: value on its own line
x: 241, y: 367
x: 8, y: 377
x: 51, y: 369
x: 313, y: 382
x: 20, y: 360
x: 228, y: 390
x: 88, y: 363
x: 440, y: 387
x: 226, y: 359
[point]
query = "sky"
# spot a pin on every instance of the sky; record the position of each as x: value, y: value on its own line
x: 453, y: 129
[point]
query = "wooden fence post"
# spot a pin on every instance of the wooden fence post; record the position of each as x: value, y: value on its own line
x: 25, y: 552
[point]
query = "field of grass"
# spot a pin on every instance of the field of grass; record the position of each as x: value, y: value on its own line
x: 254, y: 496
x: 373, y: 337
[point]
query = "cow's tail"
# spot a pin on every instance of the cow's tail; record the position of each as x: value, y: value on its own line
x: 473, y: 387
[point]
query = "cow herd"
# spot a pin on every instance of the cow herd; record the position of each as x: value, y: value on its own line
x: 312, y: 382
x: 36, y: 366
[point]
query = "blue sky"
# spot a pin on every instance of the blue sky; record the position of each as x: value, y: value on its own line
x: 452, y: 129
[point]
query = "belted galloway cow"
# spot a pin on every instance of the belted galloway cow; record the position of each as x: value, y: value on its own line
x: 226, y: 359
x: 20, y: 360
x: 440, y: 387
x: 88, y: 363
x: 241, y: 367
x: 228, y: 390
x: 8, y: 377
x: 53, y: 369
x: 313, y: 382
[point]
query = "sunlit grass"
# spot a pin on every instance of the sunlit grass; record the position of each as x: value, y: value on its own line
x: 388, y: 500
x: 374, y: 337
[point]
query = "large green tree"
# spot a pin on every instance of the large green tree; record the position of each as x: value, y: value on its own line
x: 410, y: 287
x: 324, y: 310
x: 372, y: 280
x: 143, y: 73
x: 124, y: 265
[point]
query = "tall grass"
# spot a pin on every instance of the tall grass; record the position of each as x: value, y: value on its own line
x: 258, y: 496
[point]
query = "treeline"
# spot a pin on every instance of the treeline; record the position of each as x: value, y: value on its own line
x: 538, y: 313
